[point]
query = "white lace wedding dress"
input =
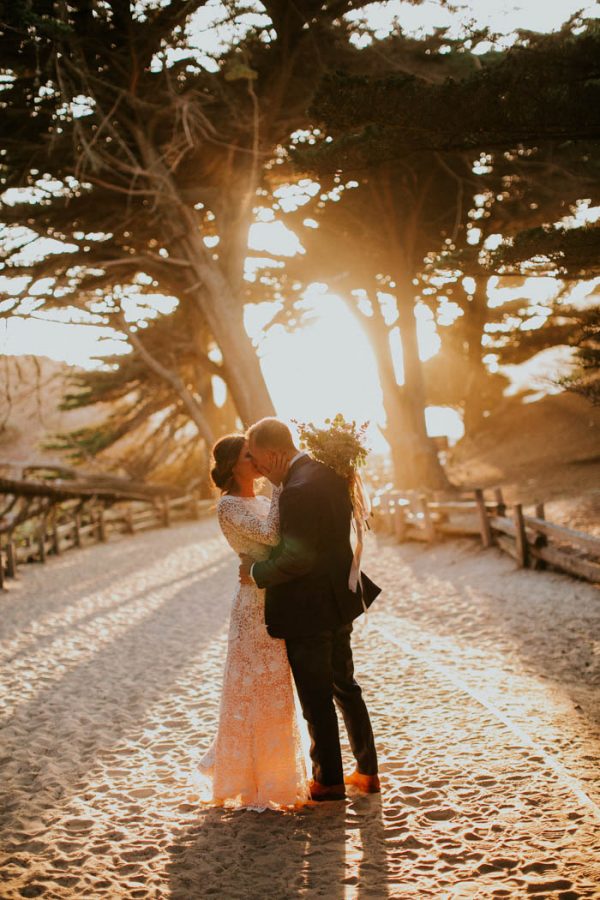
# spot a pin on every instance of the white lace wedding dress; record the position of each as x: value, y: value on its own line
x: 256, y: 759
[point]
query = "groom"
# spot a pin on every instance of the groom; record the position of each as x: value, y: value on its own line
x: 309, y: 603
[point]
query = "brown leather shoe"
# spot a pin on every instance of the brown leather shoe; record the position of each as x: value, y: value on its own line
x: 326, y: 791
x: 368, y: 784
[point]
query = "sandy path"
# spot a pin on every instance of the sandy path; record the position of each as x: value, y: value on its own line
x: 481, y: 679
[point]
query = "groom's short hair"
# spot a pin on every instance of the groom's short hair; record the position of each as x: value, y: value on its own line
x: 271, y: 434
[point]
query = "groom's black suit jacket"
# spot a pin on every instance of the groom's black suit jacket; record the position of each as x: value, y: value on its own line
x: 306, y: 575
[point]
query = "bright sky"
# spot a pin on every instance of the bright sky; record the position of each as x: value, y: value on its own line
x: 328, y: 366
x: 503, y: 17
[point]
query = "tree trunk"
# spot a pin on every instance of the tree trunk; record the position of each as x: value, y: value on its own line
x: 475, y: 317
x: 210, y: 289
x: 428, y: 471
x: 222, y: 419
x: 397, y: 431
x: 242, y: 370
x: 195, y: 410
x: 224, y: 316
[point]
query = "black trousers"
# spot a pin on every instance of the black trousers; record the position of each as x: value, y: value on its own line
x: 323, y: 670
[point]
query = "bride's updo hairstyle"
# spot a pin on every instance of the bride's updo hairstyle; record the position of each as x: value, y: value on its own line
x: 226, y: 453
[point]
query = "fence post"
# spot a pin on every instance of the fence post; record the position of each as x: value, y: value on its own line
x: 384, y: 508
x: 376, y: 518
x: 500, y: 504
x: 55, y: 534
x: 541, y: 540
x: 484, y: 522
x: 427, y: 520
x: 101, y: 524
x: 399, y: 521
x: 129, y: 526
x: 42, y: 538
x: 76, y: 528
x: 389, y: 516
x: 11, y: 559
x: 520, y: 535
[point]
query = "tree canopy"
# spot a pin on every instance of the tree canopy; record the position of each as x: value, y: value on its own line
x: 545, y: 88
x: 146, y: 159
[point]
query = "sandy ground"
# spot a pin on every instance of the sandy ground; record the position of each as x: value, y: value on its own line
x: 482, y: 679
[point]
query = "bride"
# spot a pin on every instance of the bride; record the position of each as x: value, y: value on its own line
x: 256, y: 759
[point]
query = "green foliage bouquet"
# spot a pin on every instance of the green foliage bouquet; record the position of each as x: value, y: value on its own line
x: 340, y: 445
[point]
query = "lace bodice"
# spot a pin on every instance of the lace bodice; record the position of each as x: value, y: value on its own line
x: 246, y: 524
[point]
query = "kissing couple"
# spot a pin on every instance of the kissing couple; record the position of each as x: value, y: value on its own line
x: 291, y: 623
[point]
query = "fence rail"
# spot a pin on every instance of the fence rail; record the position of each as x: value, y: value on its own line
x: 530, y: 539
x: 31, y: 531
x: 63, y: 520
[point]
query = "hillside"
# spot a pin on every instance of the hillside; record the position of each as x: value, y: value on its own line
x: 32, y: 388
x: 547, y: 451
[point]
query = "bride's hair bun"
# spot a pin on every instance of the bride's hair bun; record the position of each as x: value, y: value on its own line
x: 217, y: 477
x: 226, y: 453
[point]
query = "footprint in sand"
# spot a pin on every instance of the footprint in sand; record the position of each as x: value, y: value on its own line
x: 544, y: 887
x: 79, y: 824
x: 32, y: 890
x: 501, y: 862
x: 141, y: 793
x: 140, y: 855
x: 127, y: 869
x: 440, y: 815
x: 62, y: 864
x: 67, y: 881
x: 538, y: 867
x: 67, y: 846
x: 34, y: 847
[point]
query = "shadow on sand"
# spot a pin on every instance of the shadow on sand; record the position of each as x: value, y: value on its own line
x: 311, y: 852
x: 115, y: 706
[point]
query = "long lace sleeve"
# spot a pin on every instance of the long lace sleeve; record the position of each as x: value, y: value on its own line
x: 233, y: 513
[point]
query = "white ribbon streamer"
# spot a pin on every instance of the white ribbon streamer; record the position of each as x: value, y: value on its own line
x: 361, y: 507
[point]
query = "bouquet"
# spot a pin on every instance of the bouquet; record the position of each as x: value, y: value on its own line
x: 341, y: 446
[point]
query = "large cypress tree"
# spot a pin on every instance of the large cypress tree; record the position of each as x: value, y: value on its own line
x: 544, y: 89
x: 146, y: 160
x: 160, y: 418
x: 502, y: 185
x: 571, y: 254
x: 146, y: 164
x: 371, y: 235
x: 585, y: 377
x: 517, y: 191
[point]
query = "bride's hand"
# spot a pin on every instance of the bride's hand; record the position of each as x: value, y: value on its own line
x: 244, y: 570
x: 278, y: 468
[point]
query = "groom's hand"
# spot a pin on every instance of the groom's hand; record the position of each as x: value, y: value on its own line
x: 277, y: 468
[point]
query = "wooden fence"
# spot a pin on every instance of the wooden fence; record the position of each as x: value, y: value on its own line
x: 530, y: 539
x: 57, y: 519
